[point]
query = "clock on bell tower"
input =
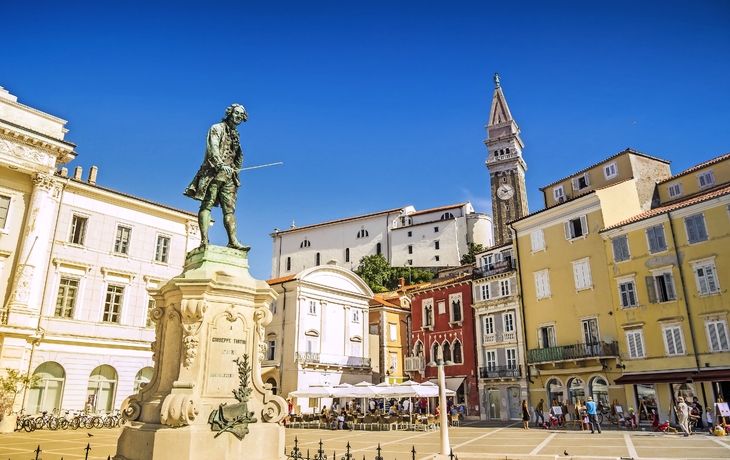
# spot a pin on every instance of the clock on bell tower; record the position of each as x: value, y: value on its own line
x: 506, y: 166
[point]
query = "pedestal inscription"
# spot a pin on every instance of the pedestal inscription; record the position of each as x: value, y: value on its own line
x: 227, y: 341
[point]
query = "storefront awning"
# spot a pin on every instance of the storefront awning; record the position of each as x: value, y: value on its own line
x: 452, y: 383
x: 654, y: 377
x: 711, y: 375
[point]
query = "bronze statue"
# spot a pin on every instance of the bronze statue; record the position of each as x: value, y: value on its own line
x: 216, y: 183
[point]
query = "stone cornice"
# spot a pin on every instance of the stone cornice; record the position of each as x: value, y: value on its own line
x: 56, y: 147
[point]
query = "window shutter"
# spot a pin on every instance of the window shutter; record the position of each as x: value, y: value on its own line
x: 624, y: 295
x: 616, y: 250
x: 588, y: 180
x: 700, y: 227
x: 575, y: 183
x: 566, y: 227
x: 671, y: 350
x: 651, y: 292
x: 702, y: 278
x: 710, y: 275
x: 659, y: 233
x: 632, y: 344
x: 632, y: 294
x: 712, y: 332
x: 669, y: 283
x: 677, y: 332
x: 722, y: 336
x: 651, y: 235
x: 584, y: 224
x: 639, y: 346
x: 691, y: 231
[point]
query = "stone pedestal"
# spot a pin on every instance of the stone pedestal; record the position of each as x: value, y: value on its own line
x: 206, y: 318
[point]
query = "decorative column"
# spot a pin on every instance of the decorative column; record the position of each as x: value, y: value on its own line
x: 29, y: 275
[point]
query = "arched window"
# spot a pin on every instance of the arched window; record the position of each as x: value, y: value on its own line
x: 46, y: 396
x: 458, y: 358
x: 418, y: 349
x: 447, y: 215
x: 316, y: 261
x: 305, y: 243
x: 271, y: 381
x: 506, y: 150
x: 447, y: 351
x: 347, y: 254
x: 456, y: 311
x: 434, y: 351
x: 575, y: 390
x: 377, y: 249
x: 363, y: 233
x: 288, y: 263
x: 142, y: 378
x: 102, y: 389
x: 599, y: 390
x: 555, y: 391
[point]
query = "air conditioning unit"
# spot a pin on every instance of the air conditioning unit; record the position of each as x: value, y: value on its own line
x: 561, y: 199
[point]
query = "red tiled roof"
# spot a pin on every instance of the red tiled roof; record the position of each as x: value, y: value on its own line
x: 281, y: 280
x: 439, y: 282
x: 628, y: 150
x: 440, y: 208
x: 696, y: 167
x: 337, y: 221
x: 671, y: 207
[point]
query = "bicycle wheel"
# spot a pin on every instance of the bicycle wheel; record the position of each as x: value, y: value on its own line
x: 52, y: 424
x: 29, y: 425
x: 74, y: 423
x: 88, y: 422
x: 108, y: 422
x: 39, y: 422
x: 63, y: 423
x: 98, y: 422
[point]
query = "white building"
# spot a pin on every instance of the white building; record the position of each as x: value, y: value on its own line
x: 319, y: 334
x: 75, y: 262
x: 436, y: 237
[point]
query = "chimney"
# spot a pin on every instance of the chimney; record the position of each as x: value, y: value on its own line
x: 64, y: 172
x: 92, y: 175
x: 402, y: 282
x: 77, y: 173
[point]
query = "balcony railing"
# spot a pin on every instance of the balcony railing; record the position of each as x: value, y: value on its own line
x: 494, y: 269
x: 572, y: 352
x: 488, y: 339
x: 509, y: 336
x: 333, y: 360
x: 506, y: 156
x: 415, y: 363
x: 500, y: 372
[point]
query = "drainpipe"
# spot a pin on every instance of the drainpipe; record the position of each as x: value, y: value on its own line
x: 515, y: 252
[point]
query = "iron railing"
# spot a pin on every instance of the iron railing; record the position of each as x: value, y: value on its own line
x: 573, y: 352
x: 505, y: 266
x: 500, y: 372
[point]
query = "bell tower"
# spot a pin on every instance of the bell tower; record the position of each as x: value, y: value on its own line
x: 506, y: 166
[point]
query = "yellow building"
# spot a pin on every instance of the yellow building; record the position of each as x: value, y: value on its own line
x: 390, y: 328
x: 566, y: 291
x: 670, y: 298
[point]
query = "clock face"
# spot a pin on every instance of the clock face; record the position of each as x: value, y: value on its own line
x: 505, y: 192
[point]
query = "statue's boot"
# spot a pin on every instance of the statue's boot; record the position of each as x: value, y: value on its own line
x: 230, y: 223
x: 236, y: 245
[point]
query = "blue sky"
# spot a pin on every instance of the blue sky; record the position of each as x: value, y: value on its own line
x: 370, y: 105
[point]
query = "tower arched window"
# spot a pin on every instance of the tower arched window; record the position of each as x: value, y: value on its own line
x: 305, y: 244
x: 363, y: 233
x: 316, y: 260
x: 446, y: 216
x: 347, y: 254
x: 418, y: 349
x: 506, y: 150
x: 288, y: 263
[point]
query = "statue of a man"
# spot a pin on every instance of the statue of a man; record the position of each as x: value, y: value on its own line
x: 216, y: 183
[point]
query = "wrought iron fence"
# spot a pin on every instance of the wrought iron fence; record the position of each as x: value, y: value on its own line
x: 494, y: 372
x: 38, y: 451
x: 570, y: 352
x: 298, y: 454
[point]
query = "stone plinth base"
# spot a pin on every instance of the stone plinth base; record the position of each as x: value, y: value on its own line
x: 146, y: 441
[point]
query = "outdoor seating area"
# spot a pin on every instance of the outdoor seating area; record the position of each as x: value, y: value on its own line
x: 412, y: 422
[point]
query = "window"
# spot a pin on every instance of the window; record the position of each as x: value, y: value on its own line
x: 355, y: 348
x: 581, y: 182
x: 660, y: 287
x: 363, y: 233
x: 392, y: 332
x: 4, y: 207
x: 546, y: 337
x: 610, y: 171
x: 627, y: 294
x: 374, y: 329
x: 435, y: 229
x: 582, y: 274
x: 620, y: 246
x: 347, y: 254
x: 635, y: 340
x: 492, y: 360
x: 150, y: 306
x: 355, y: 316
x: 485, y: 291
x: 538, y: 240
x: 504, y: 287
x: 305, y: 244
x: 655, y: 236
x: 457, y: 355
x: 410, y: 233
x: 312, y: 307
x: 113, y: 303
x: 78, y: 230
x: 590, y: 331
x: 162, y: 252
x: 456, y: 311
x: 410, y: 249
x: 706, y: 278
x: 441, y: 307
x: 575, y: 228
x: 271, y: 351
x: 489, y: 325
x: 393, y: 362
x: 121, y: 243
x: 511, y: 358
x: 409, y: 262
x: 273, y: 307
x: 673, y: 343
x: 312, y: 345
x: 437, y: 258
x: 316, y: 259
x: 706, y: 179
x: 436, y: 245
x: 288, y: 263
x: 717, y: 336
x: 428, y: 313
x: 509, y: 322
x: 696, y: 230
x: 675, y: 190
x: 447, y: 351
x: 542, y: 284
x: 435, y: 351
x: 66, y: 300
x: 446, y: 215
x: 559, y: 194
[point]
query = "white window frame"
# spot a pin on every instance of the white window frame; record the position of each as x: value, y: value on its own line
x: 656, y: 250
x: 510, y: 361
x: 707, y: 282
x: 569, y: 228
x: 72, y: 228
x: 637, y: 336
x: 717, y: 325
x: 537, y: 238
x: 504, y: 288
x: 610, y: 170
x: 453, y: 299
x: 489, y: 325
x: 271, y: 350
x: 510, y: 322
x: 425, y: 303
x: 491, y: 359
x: 75, y: 297
x: 675, y: 190
x: 576, y: 182
x: 582, y: 274
x: 625, y: 239
x: 273, y: 307
x: 696, y: 217
x: 312, y: 307
x: 551, y: 337
x: 484, y: 291
x: 708, y: 177
x: 11, y: 199
x: 627, y: 281
x: 666, y: 273
x: 393, y: 362
x: 673, y: 340
x: 114, y: 318
x: 119, y: 247
x: 542, y: 284
x: 162, y: 256
x: 392, y: 332
x: 558, y: 193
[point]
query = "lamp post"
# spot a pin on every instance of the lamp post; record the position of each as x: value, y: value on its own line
x: 440, y: 363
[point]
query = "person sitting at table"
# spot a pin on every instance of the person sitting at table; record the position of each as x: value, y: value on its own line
x: 437, y: 410
x: 371, y: 405
x: 393, y: 410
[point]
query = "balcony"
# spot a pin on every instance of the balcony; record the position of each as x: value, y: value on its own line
x: 415, y: 364
x: 505, y: 266
x: 322, y: 359
x: 500, y: 372
x: 498, y: 158
x: 489, y: 339
x: 575, y: 352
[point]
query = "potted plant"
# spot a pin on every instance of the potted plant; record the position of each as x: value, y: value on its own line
x: 10, y: 385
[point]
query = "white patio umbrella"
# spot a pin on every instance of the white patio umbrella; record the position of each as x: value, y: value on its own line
x: 363, y: 390
x: 343, y: 390
x: 314, y: 391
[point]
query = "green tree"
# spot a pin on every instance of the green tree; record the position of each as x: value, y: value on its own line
x: 410, y: 274
x: 381, y: 277
x: 470, y: 257
x: 10, y: 386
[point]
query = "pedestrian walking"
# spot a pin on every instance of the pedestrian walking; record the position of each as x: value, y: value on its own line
x: 525, y: 415
x: 539, y: 409
x: 682, y: 411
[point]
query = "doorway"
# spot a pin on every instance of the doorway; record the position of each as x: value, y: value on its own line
x: 513, y: 395
x: 493, y: 404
